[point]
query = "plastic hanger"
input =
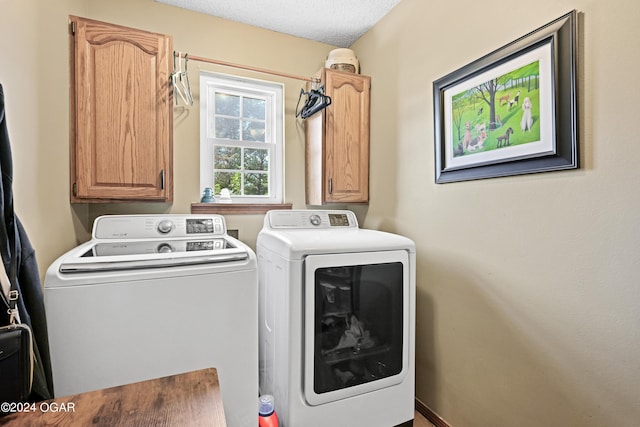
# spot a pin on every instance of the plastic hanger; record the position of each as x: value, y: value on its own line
x: 316, y: 101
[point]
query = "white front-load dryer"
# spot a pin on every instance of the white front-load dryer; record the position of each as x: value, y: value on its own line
x: 337, y: 316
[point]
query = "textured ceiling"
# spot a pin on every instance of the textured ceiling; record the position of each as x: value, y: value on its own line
x: 335, y: 22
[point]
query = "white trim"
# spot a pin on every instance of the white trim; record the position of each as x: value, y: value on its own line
x: 273, y: 93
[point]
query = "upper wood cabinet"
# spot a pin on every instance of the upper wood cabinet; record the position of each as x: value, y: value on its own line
x: 121, y: 113
x: 337, y: 142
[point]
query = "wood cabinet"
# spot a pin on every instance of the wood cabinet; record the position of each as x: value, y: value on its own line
x: 337, y: 142
x: 121, y: 113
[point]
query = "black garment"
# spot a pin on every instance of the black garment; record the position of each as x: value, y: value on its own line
x: 17, y: 244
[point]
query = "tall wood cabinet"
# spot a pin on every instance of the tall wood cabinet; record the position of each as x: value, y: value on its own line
x: 121, y: 113
x: 337, y: 142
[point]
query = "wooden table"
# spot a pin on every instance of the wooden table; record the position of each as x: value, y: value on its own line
x: 189, y: 399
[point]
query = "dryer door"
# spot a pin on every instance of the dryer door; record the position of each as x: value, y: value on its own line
x: 356, y: 331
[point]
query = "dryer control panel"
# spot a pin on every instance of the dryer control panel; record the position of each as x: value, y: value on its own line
x: 310, y: 219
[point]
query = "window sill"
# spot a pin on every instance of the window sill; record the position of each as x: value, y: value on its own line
x: 236, y: 208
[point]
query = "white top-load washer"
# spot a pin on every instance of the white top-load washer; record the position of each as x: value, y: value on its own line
x: 156, y: 295
x: 337, y: 315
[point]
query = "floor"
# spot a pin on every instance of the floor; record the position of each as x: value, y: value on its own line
x: 421, y: 421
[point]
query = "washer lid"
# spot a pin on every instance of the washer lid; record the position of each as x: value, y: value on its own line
x: 131, y: 255
x: 115, y: 255
x: 127, y: 242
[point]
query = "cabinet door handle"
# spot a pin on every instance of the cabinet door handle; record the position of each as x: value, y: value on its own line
x: 162, y: 179
x: 330, y: 185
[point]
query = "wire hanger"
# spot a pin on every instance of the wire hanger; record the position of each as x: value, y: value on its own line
x: 316, y: 101
x: 184, y: 80
x: 180, y: 79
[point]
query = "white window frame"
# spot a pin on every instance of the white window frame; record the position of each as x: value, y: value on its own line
x: 273, y: 93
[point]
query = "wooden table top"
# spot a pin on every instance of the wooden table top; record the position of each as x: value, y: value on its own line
x: 189, y: 399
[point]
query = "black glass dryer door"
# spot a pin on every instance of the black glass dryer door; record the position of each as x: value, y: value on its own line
x: 356, y: 323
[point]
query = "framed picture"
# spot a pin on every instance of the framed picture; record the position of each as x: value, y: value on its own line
x: 512, y: 111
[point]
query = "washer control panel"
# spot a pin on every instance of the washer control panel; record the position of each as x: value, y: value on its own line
x: 125, y: 227
x: 310, y: 219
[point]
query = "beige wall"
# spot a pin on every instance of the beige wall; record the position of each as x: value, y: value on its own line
x: 34, y: 72
x: 528, y: 287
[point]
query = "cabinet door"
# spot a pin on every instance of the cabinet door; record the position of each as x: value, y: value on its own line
x: 122, y: 113
x: 347, y: 137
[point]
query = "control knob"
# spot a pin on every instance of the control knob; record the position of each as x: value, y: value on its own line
x: 315, y: 220
x: 165, y: 226
x: 164, y: 248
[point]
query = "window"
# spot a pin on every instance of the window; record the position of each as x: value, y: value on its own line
x: 241, y: 138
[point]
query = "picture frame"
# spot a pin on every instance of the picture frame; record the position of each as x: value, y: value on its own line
x: 511, y: 112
